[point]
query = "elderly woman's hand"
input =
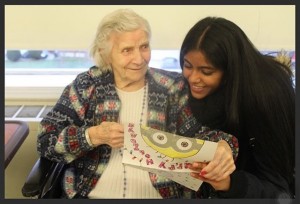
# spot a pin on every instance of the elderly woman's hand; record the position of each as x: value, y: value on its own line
x: 216, y: 172
x: 110, y: 133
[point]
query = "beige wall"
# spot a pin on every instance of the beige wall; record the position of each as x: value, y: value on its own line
x: 74, y: 26
x: 19, y: 167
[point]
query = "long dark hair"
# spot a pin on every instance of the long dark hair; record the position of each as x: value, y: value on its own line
x: 259, y: 93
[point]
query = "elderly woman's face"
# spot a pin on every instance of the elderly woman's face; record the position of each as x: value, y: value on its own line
x: 130, y: 56
x: 203, y: 78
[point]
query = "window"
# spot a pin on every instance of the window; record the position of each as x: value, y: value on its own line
x: 21, y: 61
x: 38, y: 74
x: 44, y: 73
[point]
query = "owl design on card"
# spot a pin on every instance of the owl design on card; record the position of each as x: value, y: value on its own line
x: 171, y: 145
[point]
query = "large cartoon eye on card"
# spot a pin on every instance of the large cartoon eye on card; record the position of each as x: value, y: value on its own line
x: 160, y: 138
x: 184, y: 144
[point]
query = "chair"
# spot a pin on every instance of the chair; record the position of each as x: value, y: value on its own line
x: 44, y: 180
x: 15, y: 134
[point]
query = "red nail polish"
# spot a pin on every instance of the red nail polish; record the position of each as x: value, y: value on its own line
x: 202, y: 173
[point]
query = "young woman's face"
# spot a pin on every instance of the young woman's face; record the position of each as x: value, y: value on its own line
x: 129, y: 57
x: 203, y: 78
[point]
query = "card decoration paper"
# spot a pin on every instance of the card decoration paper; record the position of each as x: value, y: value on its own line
x: 165, y: 154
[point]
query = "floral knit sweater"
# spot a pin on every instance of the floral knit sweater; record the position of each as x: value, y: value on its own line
x: 92, y: 98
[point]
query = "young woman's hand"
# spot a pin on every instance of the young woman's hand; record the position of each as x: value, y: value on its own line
x: 216, y: 172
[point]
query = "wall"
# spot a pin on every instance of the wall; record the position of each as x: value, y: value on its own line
x: 74, y: 26
x: 19, y: 167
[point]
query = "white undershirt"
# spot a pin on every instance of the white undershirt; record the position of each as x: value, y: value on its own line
x: 111, y: 183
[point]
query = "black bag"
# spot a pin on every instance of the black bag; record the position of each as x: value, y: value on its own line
x: 44, y: 180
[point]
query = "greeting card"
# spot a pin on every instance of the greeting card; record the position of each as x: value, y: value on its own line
x: 165, y: 154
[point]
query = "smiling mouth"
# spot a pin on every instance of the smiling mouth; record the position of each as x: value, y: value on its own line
x: 135, y: 69
x: 197, y: 88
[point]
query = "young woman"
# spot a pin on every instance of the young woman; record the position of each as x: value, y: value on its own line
x: 236, y: 89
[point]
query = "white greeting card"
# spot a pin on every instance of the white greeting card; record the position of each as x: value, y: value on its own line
x: 165, y: 154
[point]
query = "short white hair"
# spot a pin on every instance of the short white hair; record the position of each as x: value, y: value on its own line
x: 120, y: 21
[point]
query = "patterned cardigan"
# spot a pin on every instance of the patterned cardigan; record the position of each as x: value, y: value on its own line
x: 92, y: 98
